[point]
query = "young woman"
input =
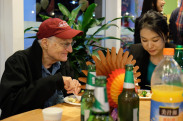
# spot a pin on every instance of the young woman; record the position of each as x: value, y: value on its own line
x: 156, y: 5
x: 154, y: 30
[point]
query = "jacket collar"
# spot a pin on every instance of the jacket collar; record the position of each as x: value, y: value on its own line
x: 36, y: 59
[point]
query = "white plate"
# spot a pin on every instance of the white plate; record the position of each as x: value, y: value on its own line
x: 67, y: 101
x: 148, y: 93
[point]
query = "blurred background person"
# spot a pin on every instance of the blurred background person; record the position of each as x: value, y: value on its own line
x: 176, y: 25
x: 156, y: 5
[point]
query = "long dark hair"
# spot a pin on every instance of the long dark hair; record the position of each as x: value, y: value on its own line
x: 156, y: 22
x: 149, y: 5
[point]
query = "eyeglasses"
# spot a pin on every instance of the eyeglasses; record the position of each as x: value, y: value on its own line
x: 66, y: 45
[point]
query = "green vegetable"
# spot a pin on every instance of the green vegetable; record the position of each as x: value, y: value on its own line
x: 143, y: 94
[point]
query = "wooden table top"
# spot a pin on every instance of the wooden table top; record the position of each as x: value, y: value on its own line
x: 72, y: 113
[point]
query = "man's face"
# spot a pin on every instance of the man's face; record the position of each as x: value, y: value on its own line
x: 58, y: 49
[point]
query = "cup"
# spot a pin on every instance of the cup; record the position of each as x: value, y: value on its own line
x: 52, y: 114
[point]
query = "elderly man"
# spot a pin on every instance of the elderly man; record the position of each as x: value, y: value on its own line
x: 40, y: 76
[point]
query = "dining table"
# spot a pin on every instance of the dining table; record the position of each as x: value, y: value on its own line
x: 72, y: 113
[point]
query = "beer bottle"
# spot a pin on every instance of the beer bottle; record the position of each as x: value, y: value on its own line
x: 128, y: 100
x: 100, y: 109
x: 87, y: 98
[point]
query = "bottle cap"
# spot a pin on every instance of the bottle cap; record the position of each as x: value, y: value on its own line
x: 179, y: 47
x: 91, y: 67
x: 168, y: 51
x: 129, y: 67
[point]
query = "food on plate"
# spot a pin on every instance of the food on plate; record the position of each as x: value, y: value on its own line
x: 73, y: 100
x: 144, y: 93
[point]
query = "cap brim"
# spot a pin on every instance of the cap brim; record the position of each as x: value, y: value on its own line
x: 69, y: 34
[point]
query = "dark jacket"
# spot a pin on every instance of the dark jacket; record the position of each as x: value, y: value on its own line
x: 173, y: 28
x: 142, y: 60
x: 22, y: 87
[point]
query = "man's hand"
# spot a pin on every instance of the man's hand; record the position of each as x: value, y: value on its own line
x: 77, y: 86
x: 72, y: 86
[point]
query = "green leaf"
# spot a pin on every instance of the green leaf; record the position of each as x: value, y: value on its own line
x: 92, y: 39
x: 132, y: 30
x: 73, y: 15
x: 28, y: 29
x: 104, y: 38
x: 88, y: 14
x: 110, y: 37
x: 104, y: 27
x: 44, y: 17
x: 93, y: 23
x: 35, y: 30
x: 114, y: 20
x: 64, y: 10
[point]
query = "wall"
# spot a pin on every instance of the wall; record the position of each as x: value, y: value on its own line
x: 113, y: 10
x: 169, y: 7
x: 11, y: 29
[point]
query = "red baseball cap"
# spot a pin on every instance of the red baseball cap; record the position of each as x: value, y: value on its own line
x: 58, y: 28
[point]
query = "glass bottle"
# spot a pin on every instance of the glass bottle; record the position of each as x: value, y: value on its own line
x: 100, y: 109
x: 167, y: 89
x: 128, y: 100
x: 179, y: 55
x: 87, y: 98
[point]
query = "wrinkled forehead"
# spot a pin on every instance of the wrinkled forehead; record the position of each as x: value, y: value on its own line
x: 56, y: 39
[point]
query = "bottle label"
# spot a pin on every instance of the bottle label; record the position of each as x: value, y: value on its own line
x: 135, y: 115
x: 166, y: 111
x: 90, y: 87
x: 91, y: 80
x: 128, y: 85
x: 101, y: 102
x: 86, y: 114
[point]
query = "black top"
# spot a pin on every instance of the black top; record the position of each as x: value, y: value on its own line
x: 173, y: 28
x: 142, y: 60
x: 22, y: 87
